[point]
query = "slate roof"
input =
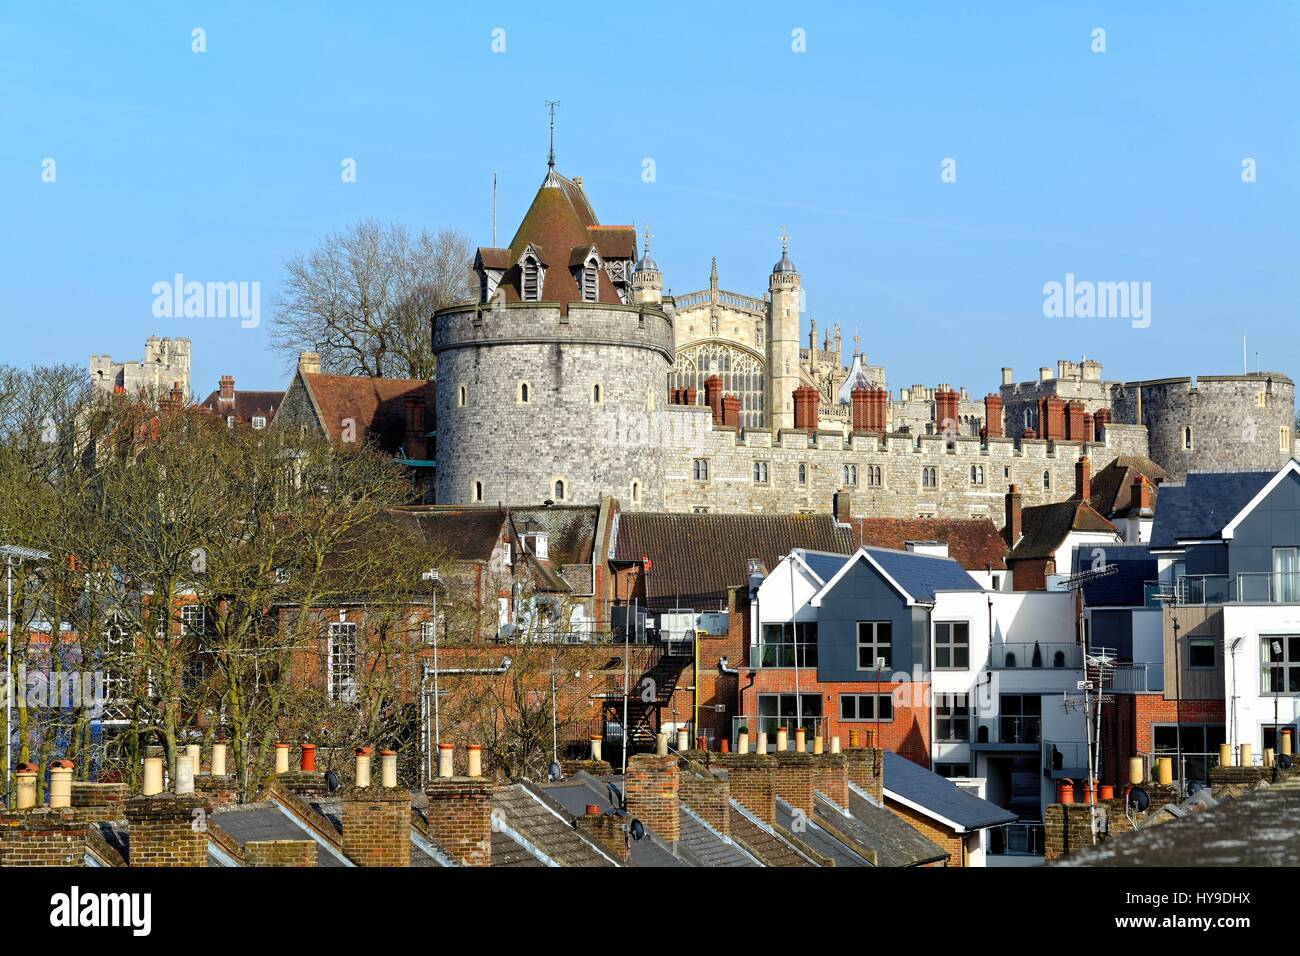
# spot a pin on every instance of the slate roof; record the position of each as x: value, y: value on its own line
x: 267, y: 820
x: 1112, y: 487
x: 377, y: 406
x: 940, y: 796
x: 763, y: 841
x: 570, y: 530
x: 525, y: 809
x: 696, y: 558
x: 1259, y: 828
x: 458, y: 534
x: 974, y: 543
x: 582, y: 789
x: 824, y: 565
x: 1044, y: 528
x: 1200, y: 507
x: 817, y: 837
x: 709, y: 847
x: 1125, y: 588
x: 507, y: 852
x: 895, y: 841
x: 921, y: 575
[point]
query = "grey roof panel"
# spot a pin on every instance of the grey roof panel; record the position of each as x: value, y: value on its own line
x: 1203, y: 504
x: 266, y: 821
x: 708, y: 846
x: 921, y: 575
x: 894, y: 841
x: 817, y: 837
x: 926, y: 789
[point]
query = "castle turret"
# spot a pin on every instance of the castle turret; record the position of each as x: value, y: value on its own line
x: 782, y: 340
x: 647, y: 280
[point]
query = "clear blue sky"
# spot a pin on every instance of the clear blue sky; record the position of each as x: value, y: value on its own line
x: 1115, y: 166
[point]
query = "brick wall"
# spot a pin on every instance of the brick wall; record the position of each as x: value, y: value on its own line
x: 377, y: 826
x: 219, y: 791
x: 1067, y: 828
x: 651, y: 789
x: 280, y: 853
x: 460, y: 818
x: 947, y: 840
x: 167, y: 830
x: 43, y: 837
x: 794, y: 779
x: 866, y: 769
x: 752, y: 778
x: 99, y: 801
x: 831, y: 777
x: 708, y: 796
x: 607, y: 831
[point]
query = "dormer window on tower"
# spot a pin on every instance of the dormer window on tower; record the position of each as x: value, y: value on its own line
x: 586, y: 265
x: 532, y: 275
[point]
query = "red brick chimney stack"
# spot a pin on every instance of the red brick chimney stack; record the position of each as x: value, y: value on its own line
x: 1083, y: 479
x: 227, y: 388
x: 713, y: 397
x: 992, y: 416
x: 1012, y: 529
x: 731, y: 411
x: 651, y: 789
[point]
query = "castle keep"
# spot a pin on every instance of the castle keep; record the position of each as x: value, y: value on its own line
x: 573, y: 376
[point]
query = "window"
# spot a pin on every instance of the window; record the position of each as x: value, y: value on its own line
x: 524, y: 395
x: 874, y: 477
x: 595, y: 394
x: 977, y: 474
x: 259, y: 422
x: 1284, y: 438
x: 1261, y: 399
x: 1006, y: 471
x: 532, y: 279
x: 1187, y: 438
x: 700, y: 469
x: 590, y: 280
x: 778, y: 647
x: 788, y: 711
x: 1020, y: 718
x: 849, y: 475
x: 950, y: 770
x: 760, y: 472
x: 462, y: 396
x: 1198, y: 742
x: 929, y: 478
x: 230, y: 421
x: 952, y: 717
x: 874, y: 643
x: 952, y: 645
x: 343, y: 661
x: 699, y: 510
x: 193, y: 620
x: 866, y: 707
x: 559, y: 489
x: 477, y: 494
x: 1279, y: 656
x: 803, y: 473
x: 1047, y: 481
x: 426, y: 632
x: 1200, y: 653
x: 636, y: 492
x: 192, y: 674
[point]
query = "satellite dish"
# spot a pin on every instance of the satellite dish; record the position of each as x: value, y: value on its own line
x: 508, y: 630
x: 1138, y: 799
x: 332, y: 781
x: 1284, y: 761
x: 553, y: 771
x: 1194, y: 788
x: 637, y: 829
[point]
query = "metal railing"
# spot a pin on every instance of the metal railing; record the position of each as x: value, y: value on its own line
x: 1016, y: 839
x: 782, y: 654
x: 1250, y: 587
x: 1008, y: 730
x: 1034, y: 654
x: 1136, y: 678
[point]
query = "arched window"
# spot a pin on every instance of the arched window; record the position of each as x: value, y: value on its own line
x: 531, y: 279
x: 803, y: 473
x: 478, y: 491
x: 595, y: 394
x: 462, y: 396
x: 636, y: 492
x: 1047, y: 480
x: 1187, y: 438
x: 559, y: 489
x: 525, y: 394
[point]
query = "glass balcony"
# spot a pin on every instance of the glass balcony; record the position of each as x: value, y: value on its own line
x: 1030, y: 654
x: 1010, y: 732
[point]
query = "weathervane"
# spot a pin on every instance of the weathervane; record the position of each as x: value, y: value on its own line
x: 646, y: 234
x: 551, y: 105
x: 785, y: 241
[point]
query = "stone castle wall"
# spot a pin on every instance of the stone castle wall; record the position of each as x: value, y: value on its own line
x: 689, y: 434
x: 517, y: 449
x: 1237, y: 421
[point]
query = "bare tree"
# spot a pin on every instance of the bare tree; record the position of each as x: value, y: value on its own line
x: 364, y: 298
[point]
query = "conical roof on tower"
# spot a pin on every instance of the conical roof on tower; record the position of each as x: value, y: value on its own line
x: 561, y: 228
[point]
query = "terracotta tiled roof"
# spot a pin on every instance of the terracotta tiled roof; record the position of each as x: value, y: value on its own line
x: 245, y: 406
x: 1112, y: 487
x: 974, y: 543
x: 493, y: 258
x: 456, y: 534
x: 1045, y: 527
x: 560, y: 220
x: 377, y: 406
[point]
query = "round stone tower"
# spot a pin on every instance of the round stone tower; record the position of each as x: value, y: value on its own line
x: 548, y: 387
x: 1215, y: 423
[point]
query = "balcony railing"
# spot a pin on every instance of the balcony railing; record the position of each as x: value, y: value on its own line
x: 783, y: 654
x: 1253, y: 587
x: 1016, y: 839
x: 1061, y: 756
x: 1034, y: 654
x: 1020, y: 731
x: 1136, y: 678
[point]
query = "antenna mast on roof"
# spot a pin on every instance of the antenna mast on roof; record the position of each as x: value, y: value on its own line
x: 551, y: 105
